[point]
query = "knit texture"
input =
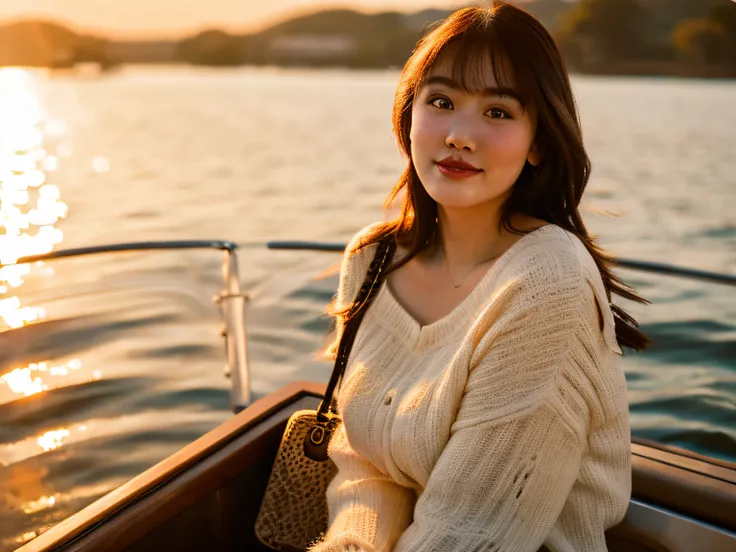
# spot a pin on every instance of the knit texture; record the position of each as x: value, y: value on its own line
x: 499, y: 428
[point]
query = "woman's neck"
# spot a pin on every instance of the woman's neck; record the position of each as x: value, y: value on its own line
x: 466, y: 237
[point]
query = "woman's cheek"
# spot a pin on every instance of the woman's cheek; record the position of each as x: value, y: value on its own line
x: 423, y: 130
x: 510, y: 143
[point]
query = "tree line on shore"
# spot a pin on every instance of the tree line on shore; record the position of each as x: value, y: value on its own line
x: 693, y: 37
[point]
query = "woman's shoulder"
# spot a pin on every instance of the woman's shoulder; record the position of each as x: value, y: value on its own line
x: 361, y: 248
x: 555, y: 251
x: 549, y: 256
x: 362, y: 238
x: 558, y: 261
x: 357, y: 258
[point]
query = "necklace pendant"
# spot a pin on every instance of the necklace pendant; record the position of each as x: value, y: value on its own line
x: 471, y: 270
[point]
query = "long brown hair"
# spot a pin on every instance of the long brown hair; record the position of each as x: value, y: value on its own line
x: 516, y: 43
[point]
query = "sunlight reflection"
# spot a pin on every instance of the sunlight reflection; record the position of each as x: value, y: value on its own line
x: 54, y: 500
x: 100, y: 165
x: 15, y: 452
x: 29, y: 206
x: 52, y: 439
x: 25, y: 537
x: 110, y: 430
x: 33, y: 506
x: 29, y: 381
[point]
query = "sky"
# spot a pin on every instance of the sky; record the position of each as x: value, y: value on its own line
x: 175, y: 18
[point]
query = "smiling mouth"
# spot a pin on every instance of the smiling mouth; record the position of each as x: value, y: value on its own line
x: 457, y: 171
x: 459, y: 168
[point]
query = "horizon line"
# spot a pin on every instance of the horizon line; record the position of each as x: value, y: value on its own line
x: 184, y: 32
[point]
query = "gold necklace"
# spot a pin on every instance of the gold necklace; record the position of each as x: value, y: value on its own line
x: 471, y: 270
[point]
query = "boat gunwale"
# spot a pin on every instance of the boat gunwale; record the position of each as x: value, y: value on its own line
x: 722, y: 470
x: 66, y: 532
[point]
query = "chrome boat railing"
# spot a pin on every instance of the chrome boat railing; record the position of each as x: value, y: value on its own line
x: 232, y: 300
x: 643, y: 266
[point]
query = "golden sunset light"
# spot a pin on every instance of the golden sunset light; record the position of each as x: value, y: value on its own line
x: 30, y: 206
x: 167, y: 19
x: 529, y: 200
x: 35, y: 377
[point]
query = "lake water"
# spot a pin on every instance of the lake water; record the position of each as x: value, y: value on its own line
x: 124, y: 364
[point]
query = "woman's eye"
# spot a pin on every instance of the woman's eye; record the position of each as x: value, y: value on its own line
x: 497, y: 113
x: 442, y: 103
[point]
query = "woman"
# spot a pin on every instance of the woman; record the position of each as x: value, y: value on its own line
x: 484, y: 408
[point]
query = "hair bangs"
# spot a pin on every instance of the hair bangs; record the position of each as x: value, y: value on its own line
x: 479, y: 58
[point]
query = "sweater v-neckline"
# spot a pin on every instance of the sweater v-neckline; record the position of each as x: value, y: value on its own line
x: 422, y: 337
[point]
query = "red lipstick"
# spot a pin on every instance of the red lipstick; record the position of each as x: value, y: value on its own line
x: 456, y: 168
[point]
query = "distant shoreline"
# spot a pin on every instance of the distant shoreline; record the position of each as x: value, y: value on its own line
x: 350, y: 39
x: 646, y: 68
x: 630, y: 69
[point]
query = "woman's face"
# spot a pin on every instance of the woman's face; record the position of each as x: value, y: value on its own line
x: 488, y: 130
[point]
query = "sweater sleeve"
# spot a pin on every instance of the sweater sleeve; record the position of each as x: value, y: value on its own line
x: 519, y: 437
x: 368, y: 510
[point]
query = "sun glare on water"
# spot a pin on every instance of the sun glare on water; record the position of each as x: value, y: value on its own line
x: 30, y: 208
x: 32, y: 378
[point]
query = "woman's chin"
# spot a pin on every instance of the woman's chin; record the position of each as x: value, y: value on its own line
x: 453, y: 195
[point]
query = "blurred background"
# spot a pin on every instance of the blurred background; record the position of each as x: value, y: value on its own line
x: 253, y: 121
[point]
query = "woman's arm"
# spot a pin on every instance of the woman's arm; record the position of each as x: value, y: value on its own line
x: 521, y: 432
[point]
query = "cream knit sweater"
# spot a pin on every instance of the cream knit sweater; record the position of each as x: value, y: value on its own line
x: 498, y: 428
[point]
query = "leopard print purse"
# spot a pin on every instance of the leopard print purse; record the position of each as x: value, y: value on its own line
x: 293, y: 513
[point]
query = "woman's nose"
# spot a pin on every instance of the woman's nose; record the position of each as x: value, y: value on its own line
x: 460, y: 138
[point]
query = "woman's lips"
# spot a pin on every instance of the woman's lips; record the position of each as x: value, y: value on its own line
x: 457, y: 173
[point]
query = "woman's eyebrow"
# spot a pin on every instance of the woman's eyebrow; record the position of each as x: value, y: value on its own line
x: 489, y: 91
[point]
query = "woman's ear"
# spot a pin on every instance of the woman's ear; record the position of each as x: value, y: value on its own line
x: 535, y: 155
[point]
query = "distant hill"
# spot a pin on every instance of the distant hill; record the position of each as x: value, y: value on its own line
x: 422, y: 20
x: 36, y: 43
x: 664, y: 15
x: 342, y: 21
x: 47, y: 44
x: 340, y: 37
x: 548, y: 12
x: 678, y: 8
x: 361, y: 24
x: 336, y: 37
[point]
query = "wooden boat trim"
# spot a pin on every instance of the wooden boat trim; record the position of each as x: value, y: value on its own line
x: 143, y: 515
x: 685, y: 462
x: 694, y: 493
x: 155, y: 477
x: 709, y: 460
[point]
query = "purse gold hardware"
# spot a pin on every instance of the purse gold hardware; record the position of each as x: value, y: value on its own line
x: 313, y: 435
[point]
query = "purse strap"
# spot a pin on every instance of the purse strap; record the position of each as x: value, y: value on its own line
x: 372, y: 283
